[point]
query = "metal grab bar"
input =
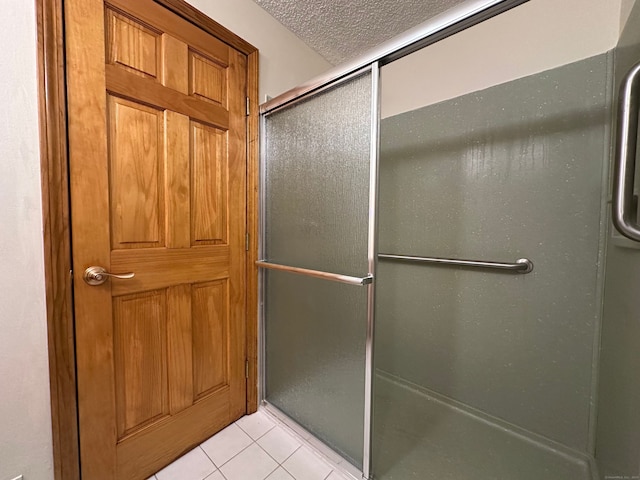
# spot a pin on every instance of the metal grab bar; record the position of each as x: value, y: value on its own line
x: 626, y: 156
x: 334, y: 277
x: 522, y: 265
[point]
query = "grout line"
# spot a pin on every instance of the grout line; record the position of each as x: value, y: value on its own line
x: 235, y: 455
x: 212, y: 473
x: 274, y: 426
x: 279, y: 463
x: 210, y: 459
x: 288, y: 431
x: 313, y: 444
x: 212, y: 463
x: 223, y: 464
x: 291, y: 474
x: 240, y: 427
x: 292, y: 453
x: 271, y: 472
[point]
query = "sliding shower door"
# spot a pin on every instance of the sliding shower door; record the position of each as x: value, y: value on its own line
x: 316, y: 267
x: 485, y: 370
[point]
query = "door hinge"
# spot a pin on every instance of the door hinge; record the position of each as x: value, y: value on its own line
x: 246, y: 241
x: 246, y: 369
x: 248, y: 107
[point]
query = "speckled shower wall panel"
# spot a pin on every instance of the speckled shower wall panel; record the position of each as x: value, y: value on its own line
x: 512, y: 171
x: 618, y: 435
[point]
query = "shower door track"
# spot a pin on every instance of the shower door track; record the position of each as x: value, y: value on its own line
x: 454, y: 20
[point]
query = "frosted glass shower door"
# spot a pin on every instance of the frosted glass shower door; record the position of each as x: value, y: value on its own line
x: 316, y: 226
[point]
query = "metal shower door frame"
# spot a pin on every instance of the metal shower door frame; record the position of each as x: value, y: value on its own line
x: 468, y: 14
x: 373, y: 70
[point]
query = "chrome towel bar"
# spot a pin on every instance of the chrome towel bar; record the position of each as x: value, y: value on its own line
x: 625, y: 157
x: 334, y: 277
x: 522, y: 265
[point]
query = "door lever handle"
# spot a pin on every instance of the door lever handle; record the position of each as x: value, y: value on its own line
x: 98, y: 275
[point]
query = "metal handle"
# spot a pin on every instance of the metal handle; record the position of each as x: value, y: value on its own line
x: 334, y: 277
x: 98, y: 275
x: 626, y: 156
x: 522, y: 265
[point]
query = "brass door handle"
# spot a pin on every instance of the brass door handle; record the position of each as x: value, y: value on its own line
x: 98, y: 275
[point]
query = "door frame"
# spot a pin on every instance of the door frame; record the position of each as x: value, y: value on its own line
x: 54, y: 166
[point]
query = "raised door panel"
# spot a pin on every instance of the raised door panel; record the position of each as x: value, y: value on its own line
x: 136, y: 176
x: 140, y: 346
x: 175, y: 72
x: 131, y: 45
x: 150, y: 15
x: 210, y: 303
x: 207, y: 79
x: 180, y: 340
x: 209, y: 179
x: 177, y: 182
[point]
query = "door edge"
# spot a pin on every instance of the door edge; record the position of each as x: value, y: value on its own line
x: 57, y: 238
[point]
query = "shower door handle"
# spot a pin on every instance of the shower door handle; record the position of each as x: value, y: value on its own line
x: 625, y: 157
x: 334, y: 277
x: 522, y: 265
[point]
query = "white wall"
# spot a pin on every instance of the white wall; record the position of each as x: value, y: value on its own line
x: 285, y: 61
x: 25, y: 419
x: 534, y: 37
x: 625, y: 11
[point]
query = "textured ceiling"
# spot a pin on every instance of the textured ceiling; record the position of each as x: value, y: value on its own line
x: 342, y: 29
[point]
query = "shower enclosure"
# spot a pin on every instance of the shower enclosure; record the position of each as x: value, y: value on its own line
x: 435, y: 221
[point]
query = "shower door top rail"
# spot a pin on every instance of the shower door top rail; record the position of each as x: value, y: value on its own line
x: 522, y: 265
x: 455, y: 19
x: 334, y: 277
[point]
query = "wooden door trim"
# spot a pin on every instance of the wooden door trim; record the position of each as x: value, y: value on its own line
x: 57, y: 238
x: 195, y: 16
x: 56, y: 221
x: 253, y: 220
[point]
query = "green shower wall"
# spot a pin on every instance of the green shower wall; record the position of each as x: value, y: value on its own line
x: 512, y: 171
x: 618, y: 432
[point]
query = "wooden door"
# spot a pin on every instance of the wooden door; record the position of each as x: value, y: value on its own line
x: 157, y: 140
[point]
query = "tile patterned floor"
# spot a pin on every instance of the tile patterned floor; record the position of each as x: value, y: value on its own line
x: 253, y: 448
